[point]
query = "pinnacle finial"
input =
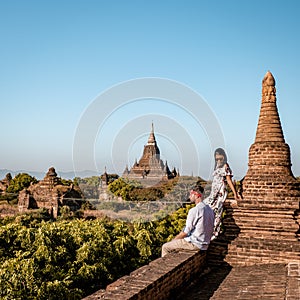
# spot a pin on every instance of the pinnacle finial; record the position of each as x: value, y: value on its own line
x: 268, y: 80
x: 151, y: 139
x: 269, y: 126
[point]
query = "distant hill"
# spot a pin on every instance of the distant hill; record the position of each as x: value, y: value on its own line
x: 41, y: 175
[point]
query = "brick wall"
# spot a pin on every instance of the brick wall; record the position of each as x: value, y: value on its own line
x: 255, y: 235
x: 161, y: 279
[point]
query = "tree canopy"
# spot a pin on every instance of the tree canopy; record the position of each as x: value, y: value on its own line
x: 19, y: 182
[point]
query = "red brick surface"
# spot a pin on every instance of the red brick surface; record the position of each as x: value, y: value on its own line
x: 161, y: 279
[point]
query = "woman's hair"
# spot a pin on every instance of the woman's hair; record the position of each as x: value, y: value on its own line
x: 220, y: 151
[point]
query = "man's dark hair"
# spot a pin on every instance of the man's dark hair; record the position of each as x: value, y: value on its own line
x: 199, y: 189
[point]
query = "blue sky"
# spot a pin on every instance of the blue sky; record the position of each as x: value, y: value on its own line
x: 58, y: 57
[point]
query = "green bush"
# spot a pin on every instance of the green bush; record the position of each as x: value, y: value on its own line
x: 42, y: 259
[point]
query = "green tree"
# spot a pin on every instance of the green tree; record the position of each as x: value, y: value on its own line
x: 76, y: 181
x: 112, y: 177
x: 70, y: 259
x: 21, y: 181
x: 121, y: 187
x: 66, y: 182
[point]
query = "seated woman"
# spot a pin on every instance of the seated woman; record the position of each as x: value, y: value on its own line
x: 221, y: 177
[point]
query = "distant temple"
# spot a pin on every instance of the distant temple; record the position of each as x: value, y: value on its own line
x: 51, y: 194
x: 4, y: 183
x: 104, y: 194
x: 150, y: 167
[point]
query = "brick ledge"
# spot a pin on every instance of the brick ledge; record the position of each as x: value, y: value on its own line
x: 160, y: 279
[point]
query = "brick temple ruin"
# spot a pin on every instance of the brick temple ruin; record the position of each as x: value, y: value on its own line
x: 51, y: 194
x: 4, y: 183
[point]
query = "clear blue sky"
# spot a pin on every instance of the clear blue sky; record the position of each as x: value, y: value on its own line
x: 56, y: 57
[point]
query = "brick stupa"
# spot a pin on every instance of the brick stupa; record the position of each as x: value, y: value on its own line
x: 264, y: 226
x: 269, y: 181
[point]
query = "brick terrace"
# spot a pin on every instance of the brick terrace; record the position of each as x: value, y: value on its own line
x: 267, y: 281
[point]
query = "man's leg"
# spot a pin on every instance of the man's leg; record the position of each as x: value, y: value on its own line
x: 177, y: 244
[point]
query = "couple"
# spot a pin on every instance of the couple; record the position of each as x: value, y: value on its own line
x: 203, y: 222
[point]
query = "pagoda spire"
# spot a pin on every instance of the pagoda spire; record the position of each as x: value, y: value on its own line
x: 105, y: 176
x: 269, y: 127
x: 269, y: 176
x: 151, y: 139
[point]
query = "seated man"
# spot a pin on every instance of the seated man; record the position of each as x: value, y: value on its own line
x: 199, y: 228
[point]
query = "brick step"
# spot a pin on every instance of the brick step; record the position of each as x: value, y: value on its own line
x: 265, y: 221
x: 243, y: 256
x: 261, y: 220
x: 247, y: 256
x: 258, y: 215
x: 273, y: 235
x: 218, y: 254
x: 268, y: 229
x: 264, y: 218
x: 254, y: 260
x: 261, y: 231
x: 281, y: 237
x: 265, y: 244
x: 244, y: 247
x: 270, y: 204
x: 259, y: 211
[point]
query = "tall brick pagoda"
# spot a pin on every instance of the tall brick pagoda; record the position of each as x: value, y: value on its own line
x: 264, y: 226
x: 269, y: 180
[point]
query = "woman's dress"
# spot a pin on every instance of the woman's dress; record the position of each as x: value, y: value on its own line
x: 218, y: 195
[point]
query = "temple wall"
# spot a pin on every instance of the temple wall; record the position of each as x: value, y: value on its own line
x: 161, y: 279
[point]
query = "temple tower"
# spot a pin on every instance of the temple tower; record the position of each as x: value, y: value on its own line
x: 263, y: 227
x: 269, y: 181
x: 150, y: 169
x: 51, y: 194
x: 103, y: 187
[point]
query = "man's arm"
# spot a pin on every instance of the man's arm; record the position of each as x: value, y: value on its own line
x: 188, y: 225
x: 180, y: 235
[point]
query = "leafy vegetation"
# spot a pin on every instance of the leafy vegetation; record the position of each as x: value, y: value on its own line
x: 90, y: 185
x: 19, y: 182
x: 122, y: 187
x: 176, y: 189
x: 41, y: 259
x: 71, y: 258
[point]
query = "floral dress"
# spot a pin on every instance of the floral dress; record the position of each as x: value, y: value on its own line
x: 218, y: 195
